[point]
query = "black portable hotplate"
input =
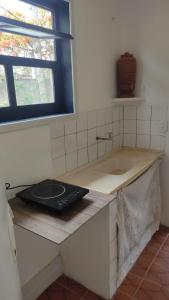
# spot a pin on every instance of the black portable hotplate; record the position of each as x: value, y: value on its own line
x: 53, y: 195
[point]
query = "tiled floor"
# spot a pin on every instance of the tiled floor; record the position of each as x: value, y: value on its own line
x: 148, y: 279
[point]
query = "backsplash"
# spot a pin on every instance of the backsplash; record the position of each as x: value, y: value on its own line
x: 145, y: 126
x: 74, y: 142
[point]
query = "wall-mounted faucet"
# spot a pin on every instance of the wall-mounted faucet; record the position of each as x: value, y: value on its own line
x: 109, y: 138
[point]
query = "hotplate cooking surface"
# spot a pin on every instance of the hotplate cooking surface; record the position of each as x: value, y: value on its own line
x: 53, y: 194
x: 48, y: 190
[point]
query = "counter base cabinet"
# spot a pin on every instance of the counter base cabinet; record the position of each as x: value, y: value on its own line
x: 90, y: 255
x: 86, y: 255
x: 93, y: 256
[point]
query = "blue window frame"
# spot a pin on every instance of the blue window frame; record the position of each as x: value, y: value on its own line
x: 61, y: 67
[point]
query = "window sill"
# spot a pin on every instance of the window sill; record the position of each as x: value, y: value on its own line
x: 29, y: 123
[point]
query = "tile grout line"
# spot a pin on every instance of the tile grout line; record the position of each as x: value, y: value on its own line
x: 152, y: 281
x: 123, y: 127
x: 136, y: 126
x: 144, y: 277
x: 82, y: 297
x: 151, y: 113
x: 71, y: 290
x: 125, y: 294
x: 85, y: 294
x: 148, y: 269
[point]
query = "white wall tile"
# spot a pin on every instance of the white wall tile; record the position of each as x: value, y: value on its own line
x: 156, y: 128
x: 116, y: 142
x: 144, y: 112
x: 101, y: 131
x: 143, y: 141
x: 71, y: 161
x: 121, y: 126
x: 157, y: 142
x: 70, y: 127
x: 121, y: 140
x: 108, y: 115
x: 92, y: 152
x: 116, y: 113
x: 58, y: 147
x: 121, y: 112
x: 143, y: 127
x: 159, y: 112
x: 129, y: 126
x: 85, y: 140
x: 116, y: 128
x: 56, y: 129
x: 91, y: 116
x: 82, y: 157
x: 100, y: 118
x: 109, y: 146
x: 129, y: 140
x: 82, y: 139
x: 82, y: 122
x: 59, y: 166
x: 92, y: 137
x: 70, y: 143
x: 109, y: 128
x: 101, y: 149
x: 130, y: 112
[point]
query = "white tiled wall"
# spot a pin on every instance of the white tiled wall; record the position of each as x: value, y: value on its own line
x: 74, y: 142
x: 143, y: 126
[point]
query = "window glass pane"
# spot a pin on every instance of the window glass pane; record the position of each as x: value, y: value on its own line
x: 21, y: 11
x: 22, y: 46
x: 4, y: 101
x: 33, y: 85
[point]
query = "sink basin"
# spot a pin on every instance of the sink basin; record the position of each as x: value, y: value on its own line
x: 117, y: 166
x: 113, y: 172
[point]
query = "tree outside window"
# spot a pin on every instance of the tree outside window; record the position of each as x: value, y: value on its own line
x: 33, y: 85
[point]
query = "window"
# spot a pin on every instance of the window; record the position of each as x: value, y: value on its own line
x: 3, y: 88
x: 35, y: 59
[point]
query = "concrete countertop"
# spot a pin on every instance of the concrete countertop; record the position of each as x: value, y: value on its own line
x: 99, y: 176
x: 102, y: 184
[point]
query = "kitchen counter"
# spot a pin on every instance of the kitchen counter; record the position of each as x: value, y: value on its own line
x: 87, y: 233
x: 114, y: 171
x: 103, y: 178
x: 58, y: 227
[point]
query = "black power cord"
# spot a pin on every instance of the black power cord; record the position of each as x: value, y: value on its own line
x: 8, y: 186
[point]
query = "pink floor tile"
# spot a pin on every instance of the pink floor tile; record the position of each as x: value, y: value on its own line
x: 121, y: 296
x: 163, y: 258
x: 148, y: 279
x: 91, y: 296
x: 72, y: 285
x: 130, y: 285
x: 159, y: 274
x: 43, y: 297
x: 58, y: 292
x: 151, y: 291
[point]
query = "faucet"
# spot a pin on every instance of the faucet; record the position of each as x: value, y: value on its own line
x: 104, y: 138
